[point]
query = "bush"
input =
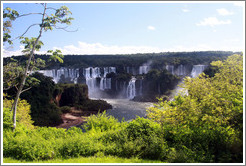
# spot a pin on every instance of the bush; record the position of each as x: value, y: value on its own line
x: 79, y: 146
x: 22, y: 115
x: 101, y: 122
x: 65, y: 109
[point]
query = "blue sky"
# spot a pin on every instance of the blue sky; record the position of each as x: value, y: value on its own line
x: 124, y: 28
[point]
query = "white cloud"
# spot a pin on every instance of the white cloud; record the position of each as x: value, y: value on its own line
x: 212, y: 21
x: 239, y: 3
x: 185, y: 10
x: 98, y: 48
x: 151, y: 28
x: 84, y: 48
x: 224, y: 12
x: 8, y: 52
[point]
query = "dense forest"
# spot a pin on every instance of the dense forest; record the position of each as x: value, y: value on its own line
x: 204, y: 126
x: 157, y: 59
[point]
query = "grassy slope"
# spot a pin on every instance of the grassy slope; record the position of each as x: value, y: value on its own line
x: 94, y: 159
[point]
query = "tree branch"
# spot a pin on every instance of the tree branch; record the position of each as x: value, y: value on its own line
x: 64, y: 28
x: 26, y: 89
x: 28, y: 14
x: 26, y: 31
x: 51, y: 8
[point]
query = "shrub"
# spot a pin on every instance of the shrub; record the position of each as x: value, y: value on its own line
x: 101, y: 122
x: 65, y: 109
x: 22, y: 116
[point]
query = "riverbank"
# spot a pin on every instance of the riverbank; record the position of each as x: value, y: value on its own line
x: 75, y: 118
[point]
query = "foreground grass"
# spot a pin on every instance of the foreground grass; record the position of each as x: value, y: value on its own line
x: 94, y: 159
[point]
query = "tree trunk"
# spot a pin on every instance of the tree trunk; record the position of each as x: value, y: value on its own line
x: 23, y: 80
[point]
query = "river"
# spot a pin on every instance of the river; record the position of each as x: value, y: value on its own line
x: 127, y: 109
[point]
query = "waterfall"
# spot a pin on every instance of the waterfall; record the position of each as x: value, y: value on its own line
x: 56, y: 74
x: 131, y: 89
x: 143, y: 69
x: 105, y: 83
x: 91, y: 74
x: 180, y: 70
x: 197, y: 69
x: 170, y: 68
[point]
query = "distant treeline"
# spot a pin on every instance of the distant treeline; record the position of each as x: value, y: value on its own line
x: 156, y: 59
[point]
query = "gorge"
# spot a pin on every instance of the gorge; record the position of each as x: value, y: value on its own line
x: 105, y: 83
x: 104, y: 79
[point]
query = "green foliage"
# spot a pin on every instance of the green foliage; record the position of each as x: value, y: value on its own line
x: 44, y: 111
x: 12, y: 71
x: 65, y: 109
x: 30, y: 43
x: 56, y: 55
x: 61, y: 16
x: 73, y: 94
x: 23, y: 114
x: 159, y: 82
x: 9, y: 15
x: 207, y: 122
x: 93, y: 105
x: 93, y: 159
x: 101, y: 122
x: 34, y: 44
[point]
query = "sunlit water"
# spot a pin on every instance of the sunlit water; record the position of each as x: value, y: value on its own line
x: 124, y: 108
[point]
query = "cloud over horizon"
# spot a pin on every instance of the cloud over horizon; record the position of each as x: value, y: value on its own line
x: 83, y: 48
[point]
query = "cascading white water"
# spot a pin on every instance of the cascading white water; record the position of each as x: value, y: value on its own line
x: 180, y: 70
x: 197, y: 69
x: 105, y: 83
x: 143, y: 69
x: 90, y: 75
x: 131, y: 88
x: 56, y: 74
x: 170, y: 68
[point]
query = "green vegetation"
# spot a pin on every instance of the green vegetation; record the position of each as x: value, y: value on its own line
x: 44, y: 110
x: 133, y: 60
x: 159, y: 82
x: 99, y: 158
x: 205, y: 126
x: 48, y: 21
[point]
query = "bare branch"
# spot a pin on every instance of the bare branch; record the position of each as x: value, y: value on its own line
x: 7, y: 88
x: 26, y: 89
x: 64, y: 28
x: 51, y: 8
x: 28, y: 14
x: 26, y: 30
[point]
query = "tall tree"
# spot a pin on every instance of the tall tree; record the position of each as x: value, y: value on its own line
x: 48, y: 22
